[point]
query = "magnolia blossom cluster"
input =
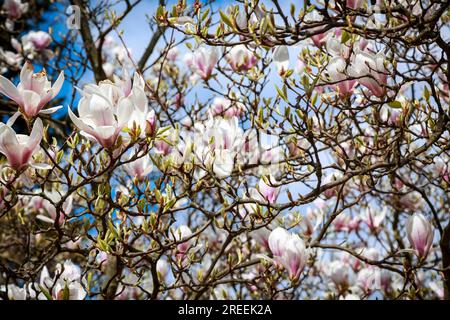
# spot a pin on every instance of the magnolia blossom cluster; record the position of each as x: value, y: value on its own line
x: 33, y: 45
x: 64, y: 285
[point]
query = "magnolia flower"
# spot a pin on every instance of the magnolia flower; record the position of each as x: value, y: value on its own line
x: 368, y: 279
x: 368, y: 68
x: 14, y: 292
x: 311, y: 221
x: 142, y: 118
x: 217, y: 142
x: 181, y: 233
x: 65, y: 284
x: 281, y: 59
x: 261, y: 236
x: 140, y: 167
x: 420, y: 234
x: 336, y: 71
x: 389, y: 115
x: 338, y: 272
x: 204, y: 61
x: 50, y: 209
x: 172, y: 54
x: 9, y: 60
x: 341, y: 222
x: 162, y: 147
x: 311, y: 17
x: 162, y: 267
x: 240, y: 58
x: 15, y: 8
x: 226, y: 108
x: 289, y: 251
x: 105, y: 109
x: 374, y: 219
x: 36, y: 40
x: 223, y: 162
x: 33, y: 91
x: 268, y: 192
x: 99, y: 121
x: 350, y: 296
x: 19, y: 148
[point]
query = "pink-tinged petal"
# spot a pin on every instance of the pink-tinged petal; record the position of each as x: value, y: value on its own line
x: 8, y: 89
x: 79, y: 123
x: 41, y: 166
x: 31, y: 101
x: 16, y: 45
x: 50, y: 110
x: 36, y: 134
x: 420, y: 234
x: 11, y: 148
x: 125, y: 109
x: 26, y: 75
x: 371, y: 84
x: 277, y: 240
x: 7, y: 139
x: 13, y: 119
x: 58, y: 84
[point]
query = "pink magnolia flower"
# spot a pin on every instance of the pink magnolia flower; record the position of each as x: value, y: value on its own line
x: 99, y: 120
x: 162, y: 147
x: 225, y: 107
x: 66, y: 281
x: 420, y: 234
x: 338, y: 272
x: 289, y: 251
x: 268, y: 192
x: 105, y: 109
x: 353, y: 224
x: 37, y: 40
x: 15, y: 8
x: 336, y: 71
x: 10, y: 59
x: 140, y: 167
x: 19, y: 148
x: 368, y: 279
x: 261, y: 236
x: 33, y: 91
x: 369, y: 70
x: 311, y: 221
x: 181, y: 233
x: 48, y: 211
x: 172, y: 54
x: 311, y: 17
x: 204, y: 61
x: 240, y: 58
x: 341, y: 222
x: 374, y: 218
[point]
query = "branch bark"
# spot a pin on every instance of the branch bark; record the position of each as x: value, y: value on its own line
x: 88, y: 41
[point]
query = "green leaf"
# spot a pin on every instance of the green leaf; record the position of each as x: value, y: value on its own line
x: 395, y: 104
x: 226, y: 19
x: 345, y: 36
x: 205, y: 14
x: 426, y: 93
x: 66, y: 293
x: 46, y: 293
x: 281, y: 93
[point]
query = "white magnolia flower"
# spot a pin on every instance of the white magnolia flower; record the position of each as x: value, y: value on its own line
x: 33, y: 92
